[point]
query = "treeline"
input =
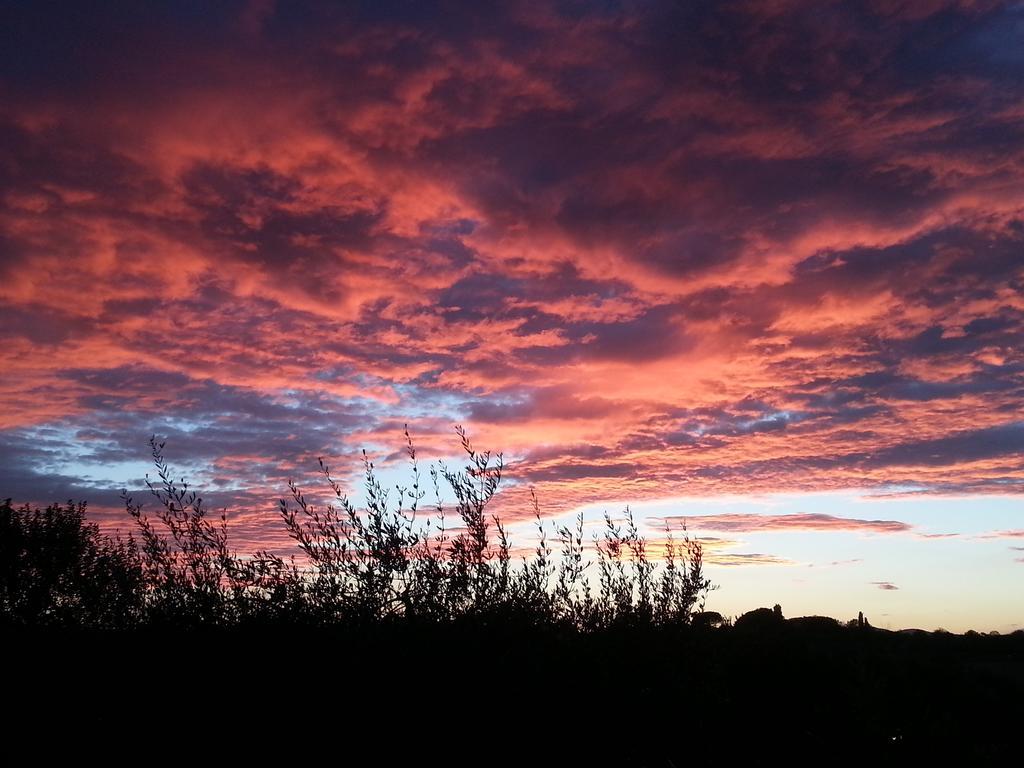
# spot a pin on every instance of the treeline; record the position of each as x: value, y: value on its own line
x: 393, y: 560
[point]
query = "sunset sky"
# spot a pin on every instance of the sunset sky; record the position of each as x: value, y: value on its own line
x: 758, y: 265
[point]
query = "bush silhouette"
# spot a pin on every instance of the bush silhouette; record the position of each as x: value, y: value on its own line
x: 56, y: 568
x: 760, y: 619
x: 396, y: 559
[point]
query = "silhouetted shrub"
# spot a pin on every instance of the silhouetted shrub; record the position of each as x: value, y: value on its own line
x: 760, y: 619
x: 190, y: 575
x: 391, y: 560
x: 708, y: 619
x: 56, y: 568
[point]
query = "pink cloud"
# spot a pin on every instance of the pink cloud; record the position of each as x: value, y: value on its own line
x: 792, y: 522
x: 640, y: 265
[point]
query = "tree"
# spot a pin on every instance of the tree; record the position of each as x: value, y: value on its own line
x: 56, y: 568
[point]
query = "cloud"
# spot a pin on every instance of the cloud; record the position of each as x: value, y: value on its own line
x: 791, y: 522
x: 717, y: 551
x: 886, y: 585
x: 733, y: 559
x: 1005, y: 534
x: 837, y: 563
x: 642, y: 249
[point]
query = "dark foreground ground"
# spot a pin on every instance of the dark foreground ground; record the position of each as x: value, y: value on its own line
x: 803, y: 689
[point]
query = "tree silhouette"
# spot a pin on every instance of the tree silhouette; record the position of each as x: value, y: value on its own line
x: 56, y: 568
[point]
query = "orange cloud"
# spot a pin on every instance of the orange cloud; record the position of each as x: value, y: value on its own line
x: 640, y: 263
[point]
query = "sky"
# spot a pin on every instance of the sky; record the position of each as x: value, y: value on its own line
x: 758, y: 266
